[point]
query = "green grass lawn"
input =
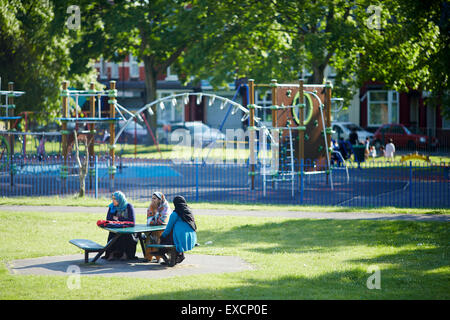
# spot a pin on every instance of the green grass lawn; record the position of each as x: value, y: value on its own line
x: 292, y: 259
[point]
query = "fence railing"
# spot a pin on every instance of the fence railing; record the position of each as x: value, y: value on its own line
x: 374, y: 184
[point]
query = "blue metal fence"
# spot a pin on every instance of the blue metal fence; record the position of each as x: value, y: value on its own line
x: 375, y: 184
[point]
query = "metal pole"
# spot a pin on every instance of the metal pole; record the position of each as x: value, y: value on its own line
x: 196, y: 180
x: 112, y: 129
x: 64, y: 134
x: 275, y: 132
x: 96, y: 176
x: 91, y: 133
x: 301, y: 179
x: 410, y: 185
x: 252, y: 131
x: 11, y: 137
x: 328, y: 128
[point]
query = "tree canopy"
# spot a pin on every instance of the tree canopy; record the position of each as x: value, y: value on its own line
x: 402, y: 43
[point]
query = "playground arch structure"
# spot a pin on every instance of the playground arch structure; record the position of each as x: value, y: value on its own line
x: 119, y: 113
x: 300, y: 131
x: 299, y: 136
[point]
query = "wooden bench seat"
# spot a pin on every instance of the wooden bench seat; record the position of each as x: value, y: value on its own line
x: 87, y: 246
x: 166, y: 251
x: 159, y: 246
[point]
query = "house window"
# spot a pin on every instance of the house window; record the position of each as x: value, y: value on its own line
x: 382, y: 107
x: 114, y: 70
x: 264, y: 99
x: 170, y: 113
x: 445, y: 123
x: 170, y: 75
x: 134, y: 67
x: 103, y: 71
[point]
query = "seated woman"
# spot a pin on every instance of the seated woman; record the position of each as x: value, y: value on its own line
x: 158, y: 213
x: 181, y: 228
x: 120, y: 210
x: 159, y: 210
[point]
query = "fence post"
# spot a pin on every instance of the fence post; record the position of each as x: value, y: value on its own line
x: 96, y: 176
x: 196, y: 181
x: 301, y: 180
x: 410, y: 185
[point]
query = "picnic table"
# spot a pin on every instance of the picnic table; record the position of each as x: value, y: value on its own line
x: 91, y: 246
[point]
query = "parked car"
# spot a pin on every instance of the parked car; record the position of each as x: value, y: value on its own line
x: 343, y: 130
x: 163, y: 130
x: 200, y: 133
x: 402, y: 137
x: 131, y: 130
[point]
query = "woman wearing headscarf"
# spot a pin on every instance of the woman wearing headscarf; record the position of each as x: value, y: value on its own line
x: 121, y: 210
x: 158, y: 213
x: 181, y: 229
x: 159, y: 210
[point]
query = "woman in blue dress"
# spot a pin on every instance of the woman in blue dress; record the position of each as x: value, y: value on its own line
x: 181, y: 229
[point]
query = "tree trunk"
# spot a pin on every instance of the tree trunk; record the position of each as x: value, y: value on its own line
x: 83, y: 166
x: 318, y: 74
x: 82, y: 177
x: 150, y: 92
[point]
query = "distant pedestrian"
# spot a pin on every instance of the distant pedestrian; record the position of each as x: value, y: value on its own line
x: 390, y: 150
x: 373, y: 152
x: 367, y: 148
x: 353, y: 137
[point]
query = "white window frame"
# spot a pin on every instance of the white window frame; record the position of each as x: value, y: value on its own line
x: 167, y: 104
x: 170, y: 76
x: 389, y: 103
x: 445, y: 124
x: 134, y: 67
x: 114, y: 70
x: 103, y: 69
x: 264, y: 102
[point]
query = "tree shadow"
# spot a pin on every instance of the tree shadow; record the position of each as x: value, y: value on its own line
x: 303, y: 235
x: 351, y: 284
x: 413, y: 272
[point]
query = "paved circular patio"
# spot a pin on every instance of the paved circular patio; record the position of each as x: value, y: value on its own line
x: 67, y: 265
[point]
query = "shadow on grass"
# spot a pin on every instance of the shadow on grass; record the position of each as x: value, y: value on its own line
x: 303, y: 234
x: 352, y: 284
x: 416, y: 271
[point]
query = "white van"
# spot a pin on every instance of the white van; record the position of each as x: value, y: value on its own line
x: 343, y: 130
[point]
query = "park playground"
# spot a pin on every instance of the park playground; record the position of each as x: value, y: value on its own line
x: 297, y: 143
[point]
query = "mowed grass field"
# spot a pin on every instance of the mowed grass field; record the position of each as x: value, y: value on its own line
x: 291, y: 259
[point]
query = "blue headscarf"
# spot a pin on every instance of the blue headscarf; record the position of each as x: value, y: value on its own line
x: 121, y: 209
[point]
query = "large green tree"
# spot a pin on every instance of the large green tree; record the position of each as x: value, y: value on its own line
x: 281, y: 39
x: 29, y: 56
x: 156, y: 32
x: 403, y: 43
x: 35, y: 55
x: 410, y: 52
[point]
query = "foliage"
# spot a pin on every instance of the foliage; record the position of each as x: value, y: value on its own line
x: 34, y: 55
x: 224, y: 40
x: 411, y: 50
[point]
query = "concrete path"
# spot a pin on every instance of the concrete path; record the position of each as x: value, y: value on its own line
x: 66, y: 265
x: 253, y: 213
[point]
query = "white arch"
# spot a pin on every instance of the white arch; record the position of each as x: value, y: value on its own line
x: 185, y: 97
